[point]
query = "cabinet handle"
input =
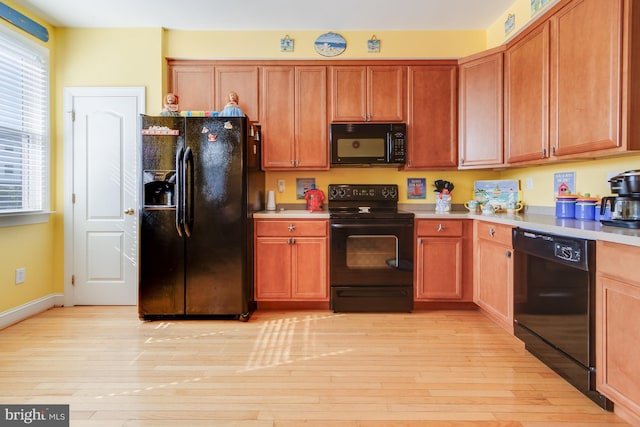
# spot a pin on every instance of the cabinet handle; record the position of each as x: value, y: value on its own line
x: 293, y: 241
x: 492, y: 231
x: 440, y: 228
x: 508, y: 254
x: 553, y: 151
x: 291, y: 228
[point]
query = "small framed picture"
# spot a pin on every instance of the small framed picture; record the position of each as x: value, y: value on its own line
x: 510, y: 23
x: 286, y: 44
x: 373, y: 45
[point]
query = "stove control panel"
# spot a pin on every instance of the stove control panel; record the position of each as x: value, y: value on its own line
x: 363, y: 192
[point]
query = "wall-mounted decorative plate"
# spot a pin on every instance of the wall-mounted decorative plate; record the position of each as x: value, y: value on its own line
x: 330, y: 44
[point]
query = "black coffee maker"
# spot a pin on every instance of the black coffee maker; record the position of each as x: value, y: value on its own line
x: 625, y: 207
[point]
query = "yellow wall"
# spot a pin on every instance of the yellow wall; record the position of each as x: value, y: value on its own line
x: 591, y: 177
x: 522, y: 11
x: 33, y: 247
x: 266, y: 44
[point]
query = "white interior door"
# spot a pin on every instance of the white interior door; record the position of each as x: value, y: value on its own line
x: 101, y: 182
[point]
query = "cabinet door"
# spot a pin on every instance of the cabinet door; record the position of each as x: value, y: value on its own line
x: 618, y: 325
x: 244, y: 81
x: 278, y: 109
x: 526, y: 119
x: 194, y: 86
x: 310, y: 269
x: 312, y: 142
x: 272, y: 268
x: 586, y: 59
x: 439, y: 269
x: 432, y: 119
x: 385, y: 93
x: 481, y: 111
x: 493, y: 291
x: 618, y: 341
x: 348, y: 93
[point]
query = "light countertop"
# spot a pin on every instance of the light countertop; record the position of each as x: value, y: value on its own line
x: 544, y: 223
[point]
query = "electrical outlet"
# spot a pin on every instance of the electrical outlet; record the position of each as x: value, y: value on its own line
x: 281, y: 185
x: 20, y: 275
x: 529, y: 183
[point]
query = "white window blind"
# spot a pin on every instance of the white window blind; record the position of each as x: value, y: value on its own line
x: 24, y: 124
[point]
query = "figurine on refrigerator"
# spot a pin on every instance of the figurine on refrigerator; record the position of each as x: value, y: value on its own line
x: 171, y: 106
x: 232, y: 109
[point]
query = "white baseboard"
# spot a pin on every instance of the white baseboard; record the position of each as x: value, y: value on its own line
x: 29, y: 309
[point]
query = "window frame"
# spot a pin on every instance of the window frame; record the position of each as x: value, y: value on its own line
x: 41, y: 215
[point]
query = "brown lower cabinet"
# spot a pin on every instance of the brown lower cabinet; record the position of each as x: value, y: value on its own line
x: 493, y: 268
x: 618, y: 327
x: 443, y: 260
x: 291, y: 260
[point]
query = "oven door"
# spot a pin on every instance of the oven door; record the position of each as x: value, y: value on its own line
x: 371, y: 252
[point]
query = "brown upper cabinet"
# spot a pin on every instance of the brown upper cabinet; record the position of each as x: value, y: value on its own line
x: 571, y: 86
x: 204, y: 86
x: 432, y: 113
x: 526, y: 96
x: 294, y: 117
x: 586, y: 55
x: 367, y: 93
x: 480, y: 110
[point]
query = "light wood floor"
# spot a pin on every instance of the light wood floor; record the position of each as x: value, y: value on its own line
x: 285, y: 369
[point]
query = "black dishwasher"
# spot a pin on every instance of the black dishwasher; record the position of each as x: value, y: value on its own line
x: 554, y: 305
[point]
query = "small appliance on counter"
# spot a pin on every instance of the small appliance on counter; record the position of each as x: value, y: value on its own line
x: 314, y: 197
x: 625, y: 207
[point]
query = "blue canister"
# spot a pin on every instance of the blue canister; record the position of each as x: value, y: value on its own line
x: 566, y: 206
x: 585, y: 209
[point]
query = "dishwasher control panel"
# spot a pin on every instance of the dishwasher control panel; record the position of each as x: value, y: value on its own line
x: 567, y: 252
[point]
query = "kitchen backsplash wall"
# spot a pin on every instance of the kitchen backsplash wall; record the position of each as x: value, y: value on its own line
x: 591, y: 177
x: 463, y: 181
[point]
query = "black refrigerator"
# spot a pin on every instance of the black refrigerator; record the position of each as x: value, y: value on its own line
x: 201, y: 182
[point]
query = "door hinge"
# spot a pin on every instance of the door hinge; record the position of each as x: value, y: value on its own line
x: 73, y: 115
x: 73, y: 198
x: 73, y: 279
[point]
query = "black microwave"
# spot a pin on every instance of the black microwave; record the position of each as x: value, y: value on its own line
x: 368, y: 144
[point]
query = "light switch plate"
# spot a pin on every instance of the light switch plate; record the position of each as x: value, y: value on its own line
x: 20, y: 275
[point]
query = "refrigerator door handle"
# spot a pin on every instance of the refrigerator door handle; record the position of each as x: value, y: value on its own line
x: 188, y: 191
x: 179, y: 192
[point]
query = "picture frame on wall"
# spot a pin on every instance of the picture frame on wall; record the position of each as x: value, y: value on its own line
x: 286, y: 44
x: 373, y: 45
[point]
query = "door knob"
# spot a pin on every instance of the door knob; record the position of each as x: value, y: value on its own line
x: 129, y: 211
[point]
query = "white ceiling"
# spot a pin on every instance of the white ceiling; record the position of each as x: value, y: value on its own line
x: 286, y: 15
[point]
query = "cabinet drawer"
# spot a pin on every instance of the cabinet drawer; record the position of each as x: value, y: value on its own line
x: 618, y: 260
x: 291, y: 228
x: 436, y: 228
x: 493, y: 232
